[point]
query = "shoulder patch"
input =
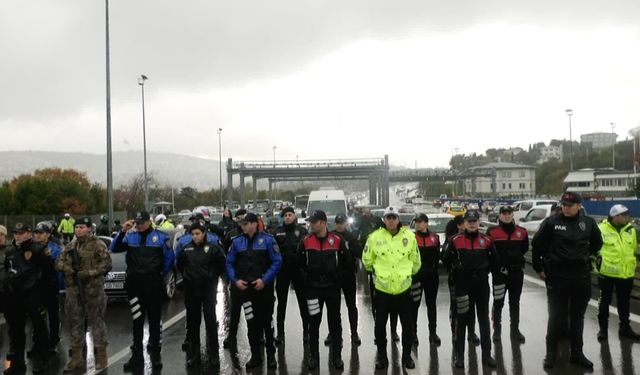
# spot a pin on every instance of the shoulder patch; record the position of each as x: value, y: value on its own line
x: 405, y: 242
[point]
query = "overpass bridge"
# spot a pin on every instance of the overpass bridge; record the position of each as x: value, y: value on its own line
x: 442, y: 175
x: 375, y: 170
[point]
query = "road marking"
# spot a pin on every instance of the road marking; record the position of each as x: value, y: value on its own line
x: 633, y: 317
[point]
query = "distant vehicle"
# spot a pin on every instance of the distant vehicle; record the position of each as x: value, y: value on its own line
x: 437, y: 203
x: 300, y: 201
x: 456, y: 210
x: 473, y: 207
x: 521, y: 208
x: 406, y: 208
x: 332, y: 202
x: 262, y: 205
x: 488, y: 206
x: 165, y: 208
x: 437, y: 224
x: 406, y: 219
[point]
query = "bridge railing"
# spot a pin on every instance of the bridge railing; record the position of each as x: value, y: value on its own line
x: 327, y: 163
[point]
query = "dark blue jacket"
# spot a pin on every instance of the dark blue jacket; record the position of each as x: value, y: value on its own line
x: 151, y: 256
x: 254, y: 258
x: 186, y: 239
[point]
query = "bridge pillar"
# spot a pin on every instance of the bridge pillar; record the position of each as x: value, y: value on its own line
x: 372, y: 191
x: 241, y: 190
x: 385, y: 182
x: 270, y: 189
x: 255, y: 188
x: 229, y: 182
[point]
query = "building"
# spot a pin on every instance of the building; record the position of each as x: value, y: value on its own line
x: 606, y: 182
x: 599, y: 140
x: 505, y: 180
x: 548, y: 153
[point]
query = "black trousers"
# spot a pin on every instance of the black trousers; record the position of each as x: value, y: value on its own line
x: 145, y: 300
x: 316, y: 299
x: 23, y: 304
x: 53, y: 313
x: 400, y: 304
x: 507, y: 280
x: 198, y: 303
x: 285, y: 278
x: 258, y: 311
x: 623, y: 294
x: 472, y: 292
x: 349, y: 291
x: 453, y: 313
x: 428, y: 285
x: 575, y: 295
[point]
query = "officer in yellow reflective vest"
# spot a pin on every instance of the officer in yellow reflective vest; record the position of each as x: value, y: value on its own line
x: 392, y: 254
x: 616, y: 264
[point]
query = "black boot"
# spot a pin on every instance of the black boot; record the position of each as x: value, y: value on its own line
x: 580, y: 360
x: 549, y: 361
x: 256, y: 357
x: 229, y: 342
x: 156, y: 358
x: 407, y: 361
x: 193, y: 358
x: 336, y: 358
x: 327, y: 341
x: 381, y: 359
x: 626, y: 332
x: 488, y: 360
x: 517, y: 335
x: 271, y: 361
x: 459, y: 363
x: 497, y: 331
x: 136, y: 360
x: 435, y: 339
x: 214, y: 358
x: 186, y: 345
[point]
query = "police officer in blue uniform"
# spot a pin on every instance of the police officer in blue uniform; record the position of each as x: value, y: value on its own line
x: 252, y: 265
x: 149, y: 257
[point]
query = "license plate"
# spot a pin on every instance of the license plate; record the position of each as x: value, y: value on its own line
x: 112, y: 285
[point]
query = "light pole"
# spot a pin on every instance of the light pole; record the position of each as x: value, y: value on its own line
x: 141, y: 81
x: 613, y: 134
x: 570, y: 113
x: 220, y: 164
x: 274, y: 167
x: 108, y: 85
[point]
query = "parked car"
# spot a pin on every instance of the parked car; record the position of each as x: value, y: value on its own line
x: 115, y: 282
x: 521, y: 208
x: 437, y: 224
x: 534, y: 217
x: 456, y: 210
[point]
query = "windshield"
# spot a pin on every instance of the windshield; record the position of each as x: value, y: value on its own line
x: 437, y: 225
x: 301, y: 201
x: 330, y: 208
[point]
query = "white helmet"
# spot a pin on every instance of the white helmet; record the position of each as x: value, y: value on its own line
x: 160, y: 218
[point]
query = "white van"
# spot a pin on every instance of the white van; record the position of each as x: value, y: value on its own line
x: 521, y: 208
x: 332, y: 202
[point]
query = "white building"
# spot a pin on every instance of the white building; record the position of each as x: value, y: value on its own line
x: 599, y: 140
x: 511, y: 180
x: 601, y: 182
x: 550, y: 152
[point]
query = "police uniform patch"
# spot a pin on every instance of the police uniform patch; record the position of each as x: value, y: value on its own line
x: 297, y: 233
x: 27, y: 255
x: 518, y: 234
x: 154, y: 239
x: 331, y: 241
x: 405, y: 242
x: 206, y: 249
x: 582, y: 226
x: 481, y: 242
x: 260, y: 241
x: 47, y: 251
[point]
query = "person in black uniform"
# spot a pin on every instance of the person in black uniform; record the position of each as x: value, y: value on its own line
x: 234, y: 231
x: 562, y: 248
x: 149, y: 257
x: 427, y: 277
x: 472, y: 255
x: 252, y: 265
x: 323, y: 258
x: 201, y: 263
x: 103, y: 228
x: 288, y: 237
x: 511, y: 242
x: 349, y: 277
x: 25, y: 264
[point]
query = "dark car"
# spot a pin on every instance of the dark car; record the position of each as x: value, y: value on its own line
x: 115, y: 282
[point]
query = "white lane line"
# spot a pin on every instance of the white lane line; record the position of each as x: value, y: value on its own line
x: 124, y: 352
x: 612, y: 310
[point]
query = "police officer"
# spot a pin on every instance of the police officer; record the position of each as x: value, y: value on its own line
x: 201, y: 263
x: 471, y: 255
x: 511, y: 242
x: 252, y: 265
x: 85, y: 261
x: 42, y: 235
x: 616, y: 264
x: 25, y: 263
x: 103, y: 228
x: 66, y: 227
x: 427, y: 278
x: 288, y: 237
x: 349, y: 277
x: 234, y: 230
x: 149, y: 258
x: 561, y: 255
x: 163, y: 223
x: 323, y: 259
x: 392, y: 254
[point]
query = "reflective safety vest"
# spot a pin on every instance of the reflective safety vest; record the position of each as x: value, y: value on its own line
x: 618, y: 250
x: 67, y: 226
x: 392, y: 259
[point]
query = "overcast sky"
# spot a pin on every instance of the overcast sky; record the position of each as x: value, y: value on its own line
x: 317, y: 79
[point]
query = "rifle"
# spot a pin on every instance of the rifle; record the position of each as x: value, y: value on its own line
x: 81, y: 294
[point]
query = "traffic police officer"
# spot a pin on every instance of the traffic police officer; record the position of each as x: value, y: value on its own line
x: 511, y: 242
x: 149, y: 257
x: 25, y: 263
x: 562, y: 248
x: 323, y: 259
x: 392, y: 254
x: 252, y: 265
x: 201, y: 263
x: 288, y: 237
x: 471, y: 255
x: 66, y: 227
x: 85, y: 261
x: 616, y: 264
x: 427, y: 278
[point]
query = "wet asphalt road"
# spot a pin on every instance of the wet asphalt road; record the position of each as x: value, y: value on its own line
x: 613, y: 357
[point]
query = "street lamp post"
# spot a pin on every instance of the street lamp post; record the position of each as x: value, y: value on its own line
x: 570, y: 113
x: 613, y: 155
x: 220, y: 163
x: 274, y: 167
x: 141, y: 81
x: 108, y: 110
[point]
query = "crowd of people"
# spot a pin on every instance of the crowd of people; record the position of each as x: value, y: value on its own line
x: 259, y: 265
